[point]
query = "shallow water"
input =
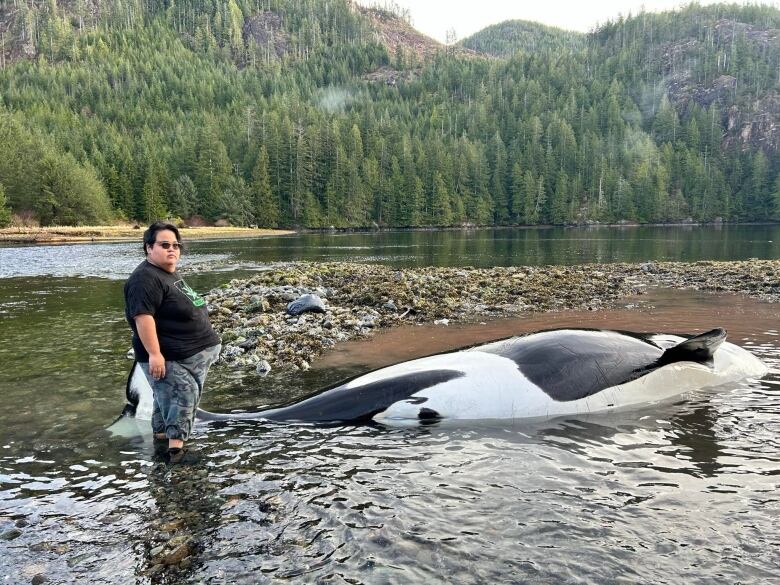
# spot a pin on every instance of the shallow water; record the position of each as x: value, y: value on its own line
x: 480, y: 248
x: 680, y: 492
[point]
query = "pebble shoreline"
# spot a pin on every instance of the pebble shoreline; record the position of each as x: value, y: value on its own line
x: 250, y: 314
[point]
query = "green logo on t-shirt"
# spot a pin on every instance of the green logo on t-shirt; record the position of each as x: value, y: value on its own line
x: 196, y: 299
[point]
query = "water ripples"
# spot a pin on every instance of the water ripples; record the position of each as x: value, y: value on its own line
x: 89, y: 260
x: 566, y: 500
x: 681, y: 492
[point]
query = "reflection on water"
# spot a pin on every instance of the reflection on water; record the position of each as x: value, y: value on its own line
x: 567, y: 500
x: 508, y: 247
x: 98, y: 260
x: 481, y: 248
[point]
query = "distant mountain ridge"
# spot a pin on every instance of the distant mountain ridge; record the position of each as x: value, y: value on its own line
x: 672, y: 63
x: 323, y: 112
x: 672, y: 59
x: 506, y: 38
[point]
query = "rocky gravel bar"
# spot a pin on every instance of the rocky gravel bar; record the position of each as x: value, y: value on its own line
x: 358, y: 299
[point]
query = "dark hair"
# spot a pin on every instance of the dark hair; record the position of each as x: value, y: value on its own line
x: 150, y: 235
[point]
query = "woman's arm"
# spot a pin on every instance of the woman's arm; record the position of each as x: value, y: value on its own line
x: 147, y: 331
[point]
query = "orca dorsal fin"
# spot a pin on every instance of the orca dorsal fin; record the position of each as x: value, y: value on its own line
x: 698, y: 348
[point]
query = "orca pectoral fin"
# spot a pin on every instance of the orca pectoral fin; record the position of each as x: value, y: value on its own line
x: 126, y: 424
x: 699, y: 348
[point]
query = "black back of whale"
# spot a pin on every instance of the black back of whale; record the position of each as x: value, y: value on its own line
x: 567, y: 364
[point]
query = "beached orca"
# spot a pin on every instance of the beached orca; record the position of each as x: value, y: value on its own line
x: 545, y: 374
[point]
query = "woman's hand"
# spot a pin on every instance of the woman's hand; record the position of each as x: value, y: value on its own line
x: 157, y: 366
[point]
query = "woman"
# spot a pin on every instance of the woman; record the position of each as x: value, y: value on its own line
x: 172, y: 338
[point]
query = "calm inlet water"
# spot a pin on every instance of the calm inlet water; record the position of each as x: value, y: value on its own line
x: 681, y: 492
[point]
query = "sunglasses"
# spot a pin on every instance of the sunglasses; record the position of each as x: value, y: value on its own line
x: 167, y: 245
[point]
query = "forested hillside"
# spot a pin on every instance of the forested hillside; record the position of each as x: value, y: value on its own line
x: 507, y: 38
x: 303, y: 113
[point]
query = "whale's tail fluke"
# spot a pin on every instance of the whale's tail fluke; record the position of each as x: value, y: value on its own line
x: 699, y: 348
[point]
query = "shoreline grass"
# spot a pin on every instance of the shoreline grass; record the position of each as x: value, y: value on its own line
x: 108, y: 233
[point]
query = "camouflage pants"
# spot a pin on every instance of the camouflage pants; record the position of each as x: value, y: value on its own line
x: 177, y: 394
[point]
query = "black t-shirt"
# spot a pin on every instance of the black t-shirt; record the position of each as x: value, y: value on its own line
x: 183, y: 327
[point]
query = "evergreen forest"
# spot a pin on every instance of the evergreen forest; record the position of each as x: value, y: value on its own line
x: 296, y: 113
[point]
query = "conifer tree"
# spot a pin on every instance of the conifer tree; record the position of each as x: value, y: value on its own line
x: 666, y: 123
x: 154, y: 193
x: 212, y: 171
x: 758, y: 197
x: 410, y: 212
x: 183, y: 197
x: 527, y: 200
x: 5, y: 211
x: 498, y: 179
x: 265, y: 206
x: 776, y: 200
x: 518, y: 202
x: 441, y: 210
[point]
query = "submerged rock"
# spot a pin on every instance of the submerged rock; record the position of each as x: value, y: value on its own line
x: 177, y: 555
x: 11, y: 534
